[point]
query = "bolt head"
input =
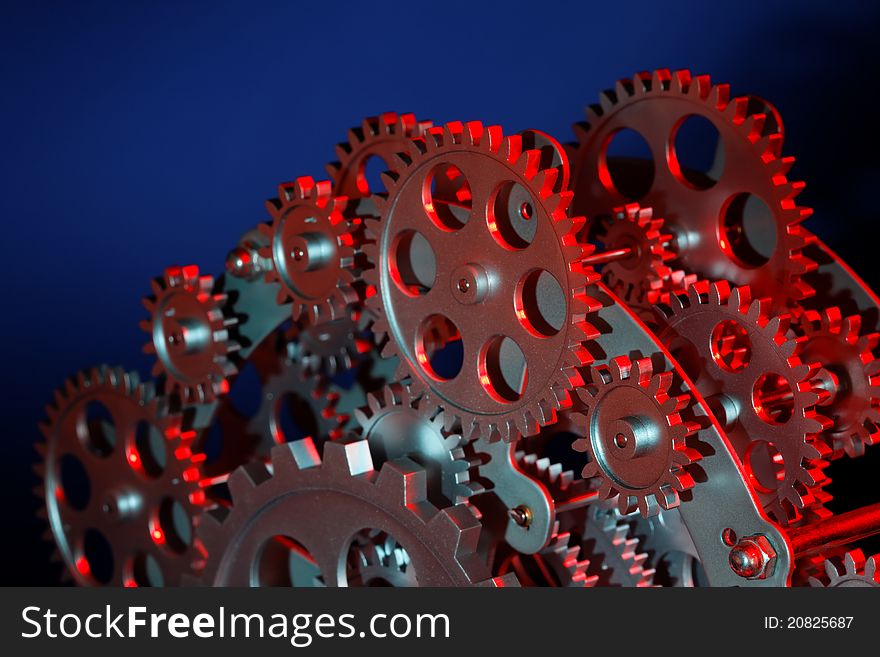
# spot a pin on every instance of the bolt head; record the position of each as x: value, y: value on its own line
x: 753, y: 557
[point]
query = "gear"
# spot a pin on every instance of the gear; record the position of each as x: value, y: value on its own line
x: 713, y: 215
x: 330, y: 347
x: 615, y: 558
x: 852, y: 374
x: 471, y: 223
x: 344, y: 485
x: 640, y: 278
x: 377, y: 559
x: 670, y: 549
x: 191, y: 334
x: 313, y: 251
x: 635, y: 436
x: 557, y: 565
x: 382, y: 136
x: 854, y: 571
x: 294, y: 405
x: 120, y: 481
x: 752, y: 375
x: 394, y: 426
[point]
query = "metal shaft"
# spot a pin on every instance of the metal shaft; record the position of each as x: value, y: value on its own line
x: 838, y: 530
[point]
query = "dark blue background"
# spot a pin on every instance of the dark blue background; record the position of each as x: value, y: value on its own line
x: 141, y: 134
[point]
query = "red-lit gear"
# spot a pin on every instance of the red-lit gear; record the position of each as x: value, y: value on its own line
x: 191, y: 329
x: 705, y: 213
x: 382, y: 136
x: 557, y: 565
x: 313, y: 251
x: 119, y: 474
x: 851, y: 374
x: 749, y: 369
x: 852, y: 570
x: 634, y: 434
x: 466, y: 193
x: 641, y: 277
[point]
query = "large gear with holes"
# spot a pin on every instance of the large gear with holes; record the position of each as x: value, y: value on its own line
x: 749, y: 368
x: 710, y: 213
x: 507, y: 367
x: 458, y: 227
x: 440, y: 544
x: 120, y: 482
x: 191, y: 330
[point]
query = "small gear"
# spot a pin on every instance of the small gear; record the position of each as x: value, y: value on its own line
x: 377, y: 559
x: 330, y: 347
x: 852, y: 374
x: 641, y: 277
x: 393, y: 424
x: 854, y: 570
x: 751, y: 373
x: 557, y: 565
x: 671, y: 551
x: 382, y: 136
x: 713, y: 214
x: 313, y: 250
x: 294, y: 405
x: 614, y: 554
x: 441, y: 544
x: 121, y: 482
x: 471, y: 227
x: 191, y: 331
x: 635, y: 436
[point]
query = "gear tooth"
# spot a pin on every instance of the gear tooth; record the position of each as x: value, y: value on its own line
x: 245, y: 478
x: 403, y: 475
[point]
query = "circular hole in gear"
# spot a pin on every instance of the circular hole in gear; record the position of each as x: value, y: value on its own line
x: 150, y: 455
x: 74, y: 485
x: 146, y: 571
x: 446, y: 196
x: 96, y: 429
x: 412, y: 265
x: 377, y: 559
x: 748, y: 230
x: 439, y: 350
x: 540, y: 303
x: 95, y: 559
x: 773, y: 399
x: 626, y: 164
x: 371, y: 172
x: 728, y: 537
x: 294, y: 419
x: 174, y: 525
x: 696, y: 152
x: 503, y: 370
x: 765, y: 466
x: 511, y: 216
x: 731, y: 346
x: 283, y: 561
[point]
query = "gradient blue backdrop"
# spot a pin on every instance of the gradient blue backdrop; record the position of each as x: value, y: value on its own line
x: 140, y: 134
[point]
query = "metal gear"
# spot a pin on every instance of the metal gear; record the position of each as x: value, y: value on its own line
x: 313, y: 251
x: 295, y: 404
x: 557, y: 565
x: 330, y: 347
x: 614, y: 554
x: 120, y: 482
x: 382, y: 136
x: 751, y: 373
x: 191, y: 332
x: 641, y: 277
x: 713, y: 215
x: 471, y: 227
x: 635, y: 436
x: 377, y: 559
x: 854, y: 570
x: 344, y: 485
x: 393, y: 424
x: 852, y: 374
x: 670, y: 549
